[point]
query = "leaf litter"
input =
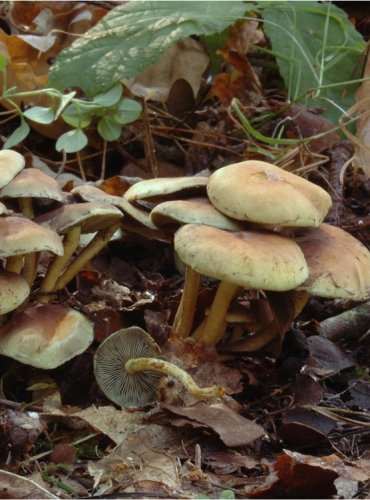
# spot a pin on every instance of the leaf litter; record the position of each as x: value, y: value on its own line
x: 294, y: 422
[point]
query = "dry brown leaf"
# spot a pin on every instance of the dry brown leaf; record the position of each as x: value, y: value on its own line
x: 14, y: 486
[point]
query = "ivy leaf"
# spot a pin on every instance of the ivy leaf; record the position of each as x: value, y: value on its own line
x: 134, y: 35
x: 18, y: 135
x: 127, y: 111
x: 316, y: 47
x: 40, y: 114
x: 71, y: 141
x: 109, y: 129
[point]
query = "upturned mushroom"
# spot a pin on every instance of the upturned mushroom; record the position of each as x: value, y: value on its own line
x: 262, y: 193
x: 128, y: 368
x: 249, y: 259
x: 45, y: 336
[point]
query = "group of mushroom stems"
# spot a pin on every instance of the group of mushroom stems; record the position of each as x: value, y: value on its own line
x: 250, y: 225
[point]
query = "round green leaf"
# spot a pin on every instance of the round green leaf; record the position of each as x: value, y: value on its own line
x: 109, y: 129
x: 109, y: 98
x: 18, y: 135
x: 77, y: 117
x: 127, y: 111
x: 71, y: 141
x: 40, y: 114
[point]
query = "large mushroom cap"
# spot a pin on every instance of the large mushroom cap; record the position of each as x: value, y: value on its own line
x: 21, y: 236
x: 90, y: 216
x: 46, y: 336
x: 13, y: 291
x: 163, y: 187
x: 32, y: 183
x: 339, y: 265
x: 252, y: 259
x: 126, y: 389
x: 192, y: 211
x: 258, y: 192
x: 11, y: 163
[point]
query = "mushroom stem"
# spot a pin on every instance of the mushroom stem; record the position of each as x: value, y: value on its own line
x: 30, y: 267
x: 93, y: 248
x: 14, y: 263
x: 215, y: 324
x: 26, y: 207
x: 161, y: 366
x: 185, y: 313
x: 70, y: 243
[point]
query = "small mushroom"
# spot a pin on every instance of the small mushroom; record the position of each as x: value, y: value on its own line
x: 164, y: 188
x: 250, y: 259
x: 262, y: 193
x: 28, y: 184
x: 19, y: 237
x: 45, y: 336
x: 128, y: 369
x: 71, y: 220
x: 11, y: 163
x: 13, y: 291
x: 338, y: 265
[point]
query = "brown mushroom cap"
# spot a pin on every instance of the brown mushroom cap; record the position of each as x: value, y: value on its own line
x: 21, y: 236
x: 258, y: 192
x: 193, y: 211
x: 32, y: 183
x: 339, y: 265
x: 90, y: 216
x: 93, y: 194
x: 46, y: 336
x: 126, y: 389
x: 11, y: 163
x: 164, y: 187
x: 252, y: 259
x: 13, y: 291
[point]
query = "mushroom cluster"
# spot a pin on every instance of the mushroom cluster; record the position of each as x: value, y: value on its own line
x: 252, y: 225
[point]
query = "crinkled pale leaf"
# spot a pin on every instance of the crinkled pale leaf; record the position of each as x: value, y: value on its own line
x: 316, y: 45
x: 133, y: 36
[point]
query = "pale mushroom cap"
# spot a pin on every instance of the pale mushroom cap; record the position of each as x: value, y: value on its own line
x: 339, y: 265
x: 90, y: 216
x: 126, y: 389
x: 165, y: 186
x: 252, y: 259
x: 193, y: 211
x: 46, y: 336
x: 13, y: 291
x: 32, y: 183
x: 94, y: 194
x: 258, y: 192
x: 20, y: 236
x: 11, y: 163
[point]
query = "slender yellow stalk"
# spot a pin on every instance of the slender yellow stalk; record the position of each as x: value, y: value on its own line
x: 215, y: 324
x: 30, y: 267
x: 184, y: 318
x: 93, y: 248
x: 161, y: 366
x: 26, y: 207
x: 14, y: 263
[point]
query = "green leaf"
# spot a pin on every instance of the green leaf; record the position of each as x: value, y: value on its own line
x: 40, y: 114
x: 64, y: 101
x: 134, y: 35
x: 77, y: 117
x: 109, y: 129
x: 109, y: 98
x: 316, y: 47
x: 127, y: 111
x: 18, y: 135
x: 71, y: 141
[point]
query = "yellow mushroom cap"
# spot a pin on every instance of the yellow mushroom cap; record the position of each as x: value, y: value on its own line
x: 32, y: 183
x: 259, y: 192
x: 252, y: 259
x: 164, y: 187
x: 338, y: 264
x: 14, y: 289
x: 11, y: 163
